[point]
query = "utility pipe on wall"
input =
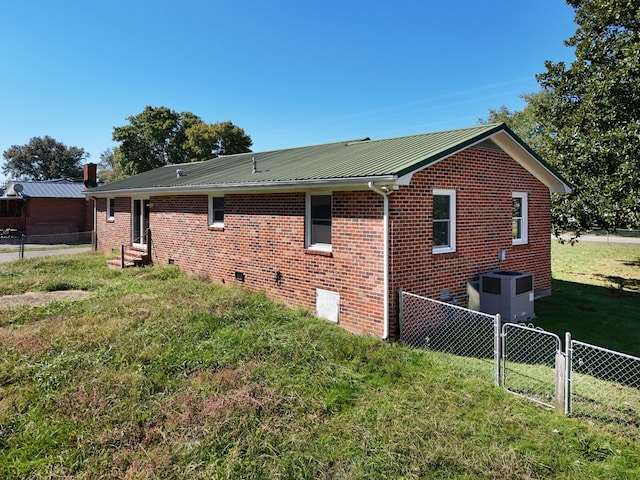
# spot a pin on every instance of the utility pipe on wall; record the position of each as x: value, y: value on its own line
x: 384, y: 192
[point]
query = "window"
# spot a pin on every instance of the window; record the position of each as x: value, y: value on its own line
x: 519, y: 218
x: 319, y: 221
x: 216, y: 211
x: 444, y: 221
x: 111, y: 208
x: 11, y: 208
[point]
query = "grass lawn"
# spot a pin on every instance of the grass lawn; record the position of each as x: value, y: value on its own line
x: 156, y: 375
x: 596, y: 295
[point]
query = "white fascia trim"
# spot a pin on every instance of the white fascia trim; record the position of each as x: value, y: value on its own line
x: 530, y: 163
x: 360, y: 183
x: 512, y: 148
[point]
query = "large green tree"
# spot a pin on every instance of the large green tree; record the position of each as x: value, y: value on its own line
x: 592, y: 114
x: 586, y: 119
x: 43, y: 158
x: 160, y: 136
x: 525, y: 123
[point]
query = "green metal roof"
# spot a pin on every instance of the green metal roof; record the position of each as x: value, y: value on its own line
x: 356, y: 161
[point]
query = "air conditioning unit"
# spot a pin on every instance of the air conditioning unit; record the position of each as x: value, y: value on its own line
x: 508, y: 293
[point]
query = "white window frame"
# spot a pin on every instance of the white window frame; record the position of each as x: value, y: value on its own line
x: 326, y: 247
x: 523, y: 239
x: 211, y: 213
x: 452, y: 222
x: 111, y: 201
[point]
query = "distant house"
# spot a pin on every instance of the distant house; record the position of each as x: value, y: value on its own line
x: 47, y: 207
x: 339, y: 228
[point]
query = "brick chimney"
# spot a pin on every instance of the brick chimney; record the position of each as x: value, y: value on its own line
x: 90, y: 178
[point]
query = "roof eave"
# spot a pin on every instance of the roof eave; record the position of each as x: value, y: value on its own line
x: 458, y: 147
x: 530, y: 161
x: 512, y: 145
x: 249, y: 187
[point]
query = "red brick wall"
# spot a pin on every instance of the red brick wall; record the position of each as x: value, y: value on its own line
x: 484, y: 181
x: 111, y: 234
x: 264, y: 234
x: 58, y: 215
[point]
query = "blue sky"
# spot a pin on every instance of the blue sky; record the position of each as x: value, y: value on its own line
x: 288, y: 72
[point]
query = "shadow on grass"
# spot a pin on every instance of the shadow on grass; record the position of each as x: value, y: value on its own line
x: 632, y: 263
x: 607, y: 317
x: 621, y: 283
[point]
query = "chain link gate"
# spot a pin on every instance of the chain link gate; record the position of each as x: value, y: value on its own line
x: 533, y: 364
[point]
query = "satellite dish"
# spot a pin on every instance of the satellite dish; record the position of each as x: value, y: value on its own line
x: 14, y: 190
x: 88, y: 183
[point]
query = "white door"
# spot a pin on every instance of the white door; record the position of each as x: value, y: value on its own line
x: 140, y: 221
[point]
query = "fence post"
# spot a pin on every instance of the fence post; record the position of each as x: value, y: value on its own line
x: 559, y: 401
x: 567, y: 379
x: 497, y: 348
x: 21, y: 254
x: 121, y: 256
x: 148, y: 240
x: 400, y: 312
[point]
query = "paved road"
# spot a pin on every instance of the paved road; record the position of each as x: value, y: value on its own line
x: 606, y: 239
x: 30, y: 253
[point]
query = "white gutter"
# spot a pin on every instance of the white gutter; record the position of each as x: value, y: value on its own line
x: 385, y: 195
x: 248, y: 187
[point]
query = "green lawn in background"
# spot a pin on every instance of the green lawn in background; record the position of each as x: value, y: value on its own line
x: 596, y: 295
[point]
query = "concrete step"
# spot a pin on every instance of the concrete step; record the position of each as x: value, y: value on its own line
x: 134, y: 256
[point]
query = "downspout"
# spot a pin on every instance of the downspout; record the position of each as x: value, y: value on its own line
x: 94, y: 234
x: 385, y: 195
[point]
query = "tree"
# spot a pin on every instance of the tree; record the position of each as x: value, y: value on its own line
x: 151, y: 139
x: 206, y: 141
x: 525, y: 123
x: 43, y: 159
x: 109, y: 169
x: 160, y: 136
x: 592, y: 114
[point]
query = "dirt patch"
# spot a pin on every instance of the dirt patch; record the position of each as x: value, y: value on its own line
x: 41, y: 298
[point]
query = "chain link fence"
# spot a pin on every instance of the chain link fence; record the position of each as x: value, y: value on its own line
x: 73, y: 238
x: 584, y: 381
x: 435, y: 325
x: 605, y: 384
x: 23, y: 246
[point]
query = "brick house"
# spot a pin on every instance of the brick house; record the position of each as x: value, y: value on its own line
x: 48, y: 206
x: 339, y: 228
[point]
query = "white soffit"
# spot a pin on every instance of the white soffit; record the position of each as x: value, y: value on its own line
x: 530, y: 163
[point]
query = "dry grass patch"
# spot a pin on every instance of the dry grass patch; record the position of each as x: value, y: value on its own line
x: 23, y: 342
x: 37, y: 299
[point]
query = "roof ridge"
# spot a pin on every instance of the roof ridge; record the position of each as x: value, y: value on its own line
x: 326, y: 144
x: 356, y: 141
x: 52, y: 180
x: 487, y: 126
